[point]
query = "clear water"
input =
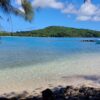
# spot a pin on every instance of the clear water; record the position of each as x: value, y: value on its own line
x: 28, y: 62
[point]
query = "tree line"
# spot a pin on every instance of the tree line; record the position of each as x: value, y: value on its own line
x: 55, y: 31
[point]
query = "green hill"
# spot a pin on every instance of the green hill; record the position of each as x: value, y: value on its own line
x: 58, y: 31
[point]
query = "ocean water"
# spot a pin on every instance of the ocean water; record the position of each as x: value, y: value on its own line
x: 28, y: 63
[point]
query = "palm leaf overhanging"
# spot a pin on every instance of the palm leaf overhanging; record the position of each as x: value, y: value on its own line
x: 7, y: 7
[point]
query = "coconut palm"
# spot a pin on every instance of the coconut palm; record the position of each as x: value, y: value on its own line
x: 7, y: 7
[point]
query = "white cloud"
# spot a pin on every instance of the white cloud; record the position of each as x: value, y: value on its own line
x: 96, y: 18
x: 87, y: 11
x: 43, y: 4
x: 70, y: 8
x: 21, y: 9
x: 18, y: 2
x: 48, y: 3
x: 83, y: 18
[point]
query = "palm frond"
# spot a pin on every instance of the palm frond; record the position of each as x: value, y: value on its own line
x: 7, y: 7
x: 28, y: 9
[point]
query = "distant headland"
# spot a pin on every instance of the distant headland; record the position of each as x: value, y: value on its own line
x: 55, y: 31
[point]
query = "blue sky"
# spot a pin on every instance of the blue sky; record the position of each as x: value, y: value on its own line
x: 69, y: 13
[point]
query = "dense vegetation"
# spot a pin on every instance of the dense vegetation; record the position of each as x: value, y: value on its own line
x: 56, y: 31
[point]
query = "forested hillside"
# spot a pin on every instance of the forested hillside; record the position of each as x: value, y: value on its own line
x: 56, y: 31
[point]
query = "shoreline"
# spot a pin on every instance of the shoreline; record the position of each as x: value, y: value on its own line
x: 33, y: 88
x: 74, y: 82
x: 67, y: 92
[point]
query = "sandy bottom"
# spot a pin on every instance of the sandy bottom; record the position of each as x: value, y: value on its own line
x: 35, y: 78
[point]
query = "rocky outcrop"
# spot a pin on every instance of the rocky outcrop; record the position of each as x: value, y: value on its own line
x: 88, y: 40
x: 67, y: 93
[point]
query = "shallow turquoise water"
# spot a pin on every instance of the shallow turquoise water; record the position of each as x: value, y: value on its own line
x: 28, y: 62
x: 16, y: 52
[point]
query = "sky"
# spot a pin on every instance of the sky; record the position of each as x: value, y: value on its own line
x: 68, y: 13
